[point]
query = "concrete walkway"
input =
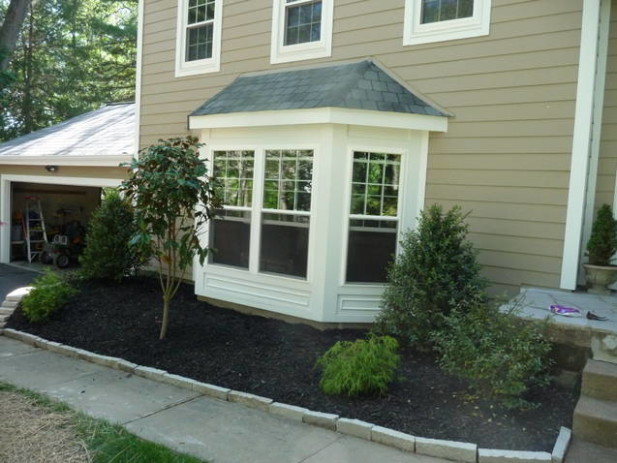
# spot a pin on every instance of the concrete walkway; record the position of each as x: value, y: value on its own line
x: 12, y: 277
x: 213, y: 430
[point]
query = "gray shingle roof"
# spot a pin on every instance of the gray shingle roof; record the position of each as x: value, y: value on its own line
x: 107, y: 131
x: 361, y: 85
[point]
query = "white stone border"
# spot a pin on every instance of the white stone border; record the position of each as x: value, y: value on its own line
x: 456, y: 451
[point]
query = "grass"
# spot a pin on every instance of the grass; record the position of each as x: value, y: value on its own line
x: 106, y: 442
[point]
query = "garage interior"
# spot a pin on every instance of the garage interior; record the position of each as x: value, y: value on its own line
x: 65, y: 211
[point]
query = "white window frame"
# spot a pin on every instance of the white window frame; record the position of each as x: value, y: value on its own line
x: 202, y: 66
x: 415, y: 33
x: 399, y: 218
x: 258, y: 210
x: 281, y: 53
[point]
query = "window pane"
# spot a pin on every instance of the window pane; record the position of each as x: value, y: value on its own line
x: 289, y: 176
x: 200, y: 10
x: 302, y: 22
x: 284, y: 244
x: 233, y: 172
x: 371, y: 248
x: 230, y: 236
x: 374, y: 189
x: 199, y: 42
x: 445, y: 10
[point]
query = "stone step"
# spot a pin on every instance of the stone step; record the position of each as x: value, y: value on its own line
x: 596, y: 421
x: 600, y: 380
x: 6, y: 310
x: 10, y: 304
x: 17, y: 294
x: 4, y: 318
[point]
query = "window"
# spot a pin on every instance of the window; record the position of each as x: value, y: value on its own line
x: 198, y: 43
x: 438, y: 20
x: 286, y: 212
x: 230, y: 235
x: 373, y: 219
x: 284, y: 209
x: 301, y: 29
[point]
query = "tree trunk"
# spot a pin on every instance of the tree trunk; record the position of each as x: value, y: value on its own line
x: 166, y: 303
x: 15, y: 15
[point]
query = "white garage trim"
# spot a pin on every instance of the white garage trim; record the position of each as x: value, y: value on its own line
x: 5, y: 202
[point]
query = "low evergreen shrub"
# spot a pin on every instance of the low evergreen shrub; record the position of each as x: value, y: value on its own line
x: 501, y: 355
x: 435, y: 274
x: 361, y: 367
x: 50, y: 292
x: 108, y: 255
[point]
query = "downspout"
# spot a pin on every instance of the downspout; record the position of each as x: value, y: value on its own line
x: 582, y: 153
x: 139, y: 64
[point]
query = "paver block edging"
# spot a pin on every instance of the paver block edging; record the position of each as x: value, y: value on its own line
x: 356, y: 428
x: 561, y: 445
x: 323, y: 420
x: 451, y: 450
x: 456, y: 451
x: 392, y: 438
x: 250, y: 400
x: 288, y: 411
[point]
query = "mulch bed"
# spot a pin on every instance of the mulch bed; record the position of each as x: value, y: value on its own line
x: 275, y: 359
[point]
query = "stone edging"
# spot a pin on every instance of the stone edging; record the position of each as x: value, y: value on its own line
x: 451, y: 450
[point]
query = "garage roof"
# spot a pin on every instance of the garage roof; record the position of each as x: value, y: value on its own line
x: 102, y: 137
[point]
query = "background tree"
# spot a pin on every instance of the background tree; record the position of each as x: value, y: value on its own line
x: 9, y: 32
x: 173, y: 199
x: 71, y: 57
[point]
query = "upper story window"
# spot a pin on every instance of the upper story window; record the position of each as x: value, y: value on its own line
x: 301, y: 29
x: 198, y: 44
x: 439, y: 20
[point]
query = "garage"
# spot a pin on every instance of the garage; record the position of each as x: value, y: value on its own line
x: 45, y: 216
x: 52, y: 180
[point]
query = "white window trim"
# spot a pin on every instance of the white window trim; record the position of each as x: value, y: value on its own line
x: 415, y: 33
x: 281, y: 53
x: 351, y: 149
x: 257, y: 208
x: 202, y: 66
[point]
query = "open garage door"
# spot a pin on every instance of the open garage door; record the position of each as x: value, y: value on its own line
x: 62, y: 211
x: 67, y: 203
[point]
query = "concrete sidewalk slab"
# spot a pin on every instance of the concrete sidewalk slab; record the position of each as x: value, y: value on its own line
x: 210, y: 429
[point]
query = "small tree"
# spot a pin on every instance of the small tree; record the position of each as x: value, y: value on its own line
x: 436, y: 273
x: 167, y: 185
x: 108, y: 255
x: 602, y: 244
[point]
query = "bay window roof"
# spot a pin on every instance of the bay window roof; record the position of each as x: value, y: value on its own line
x: 361, y: 85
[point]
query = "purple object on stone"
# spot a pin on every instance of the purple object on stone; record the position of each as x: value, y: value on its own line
x: 564, y: 311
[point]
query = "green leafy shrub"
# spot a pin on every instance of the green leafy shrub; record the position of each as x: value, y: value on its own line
x: 50, y: 292
x: 602, y: 243
x: 501, y: 355
x: 361, y: 367
x: 108, y: 255
x: 435, y: 274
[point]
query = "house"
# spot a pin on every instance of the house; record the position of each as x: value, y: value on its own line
x: 332, y: 123
x: 65, y: 166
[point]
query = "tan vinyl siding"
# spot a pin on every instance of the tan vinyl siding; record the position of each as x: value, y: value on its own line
x: 506, y: 154
x: 607, y: 164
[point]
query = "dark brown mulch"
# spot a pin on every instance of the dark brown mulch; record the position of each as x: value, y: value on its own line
x: 276, y: 359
